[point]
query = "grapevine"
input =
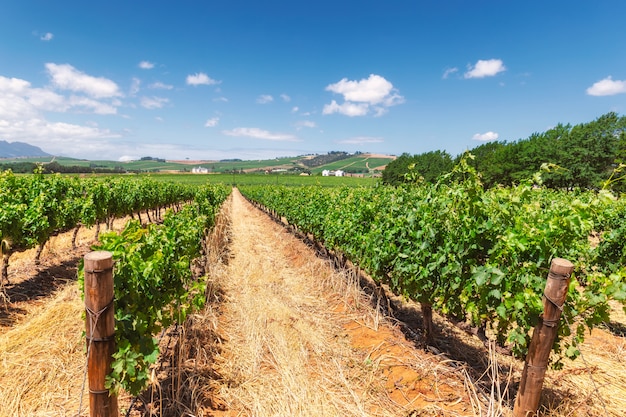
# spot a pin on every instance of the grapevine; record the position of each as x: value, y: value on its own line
x: 473, y: 254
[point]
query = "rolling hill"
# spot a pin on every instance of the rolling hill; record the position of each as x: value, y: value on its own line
x: 359, y: 163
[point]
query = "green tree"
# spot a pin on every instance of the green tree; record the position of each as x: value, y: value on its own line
x: 394, y: 172
x: 431, y: 165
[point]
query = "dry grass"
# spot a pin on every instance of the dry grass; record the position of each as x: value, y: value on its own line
x: 594, y: 384
x: 283, y: 355
x: 42, y: 361
x: 301, y: 339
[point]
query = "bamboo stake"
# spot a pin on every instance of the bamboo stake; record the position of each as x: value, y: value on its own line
x: 529, y: 394
x: 100, y: 331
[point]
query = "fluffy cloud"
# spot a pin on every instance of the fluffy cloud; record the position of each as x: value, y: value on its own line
x: 160, y: 86
x: 21, y: 118
x: 347, y: 108
x: 212, y: 122
x: 256, y: 133
x: 264, y: 99
x: 372, y: 90
x: 374, y: 93
x: 607, y: 87
x: 153, y: 102
x: 485, y: 137
x: 146, y: 65
x: 485, y: 68
x: 66, y: 77
x: 18, y: 100
x: 201, y: 79
x: 47, y: 37
x: 56, y: 138
x: 285, y: 98
x: 94, y: 106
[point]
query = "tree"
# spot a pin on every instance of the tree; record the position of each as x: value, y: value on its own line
x: 394, y: 172
x: 431, y: 165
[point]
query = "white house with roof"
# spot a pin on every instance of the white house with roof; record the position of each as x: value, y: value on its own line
x: 200, y: 170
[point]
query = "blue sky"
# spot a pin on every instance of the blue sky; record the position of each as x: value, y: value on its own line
x: 260, y: 79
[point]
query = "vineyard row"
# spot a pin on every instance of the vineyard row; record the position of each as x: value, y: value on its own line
x: 35, y: 207
x: 472, y: 254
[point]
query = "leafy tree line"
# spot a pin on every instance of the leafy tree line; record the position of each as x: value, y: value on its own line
x: 55, y: 167
x: 584, y: 155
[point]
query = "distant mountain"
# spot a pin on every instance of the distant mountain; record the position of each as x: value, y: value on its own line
x: 19, y: 150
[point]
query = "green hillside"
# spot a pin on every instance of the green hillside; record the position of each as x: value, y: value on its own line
x: 357, y: 163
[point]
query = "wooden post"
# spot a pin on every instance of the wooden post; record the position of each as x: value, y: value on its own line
x: 100, y: 331
x: 529, y: 394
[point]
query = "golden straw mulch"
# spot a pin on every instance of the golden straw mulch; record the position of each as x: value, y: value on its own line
x: 42, y: 361
x: 293, y: 346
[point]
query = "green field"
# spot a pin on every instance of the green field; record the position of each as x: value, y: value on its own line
x: 153, y: 165
x: 257, y: 179
x: 361, y: 162
x: 358, y: 162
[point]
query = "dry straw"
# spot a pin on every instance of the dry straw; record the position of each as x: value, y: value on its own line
x: 42, y: 360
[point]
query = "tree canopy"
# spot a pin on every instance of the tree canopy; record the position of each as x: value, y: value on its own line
x: 584, y: 156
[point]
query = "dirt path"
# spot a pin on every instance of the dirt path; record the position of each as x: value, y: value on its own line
x: 301, y: 340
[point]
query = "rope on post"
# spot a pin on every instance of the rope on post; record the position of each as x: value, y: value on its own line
x: 100, y: 331
x: 531, y: 384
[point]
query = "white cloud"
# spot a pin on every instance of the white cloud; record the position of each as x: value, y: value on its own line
x: 485, y: 137
x: 212, y: 122
x: 13, y: 85
x: 295, y: 109
x: 201, y: 79
x: 56, y: 138
x: 264, y: 99
x: 372, y: 93
x: 256, y: 133
x: 372, y: 90
x: 160, y: 86
x: 347, y: 108
x: 146, y: 65
x: 134, y: 86
x: 67, y: 77
x: 285, y: 98
x: 21, y: 118
x: 361, y: 140
x: 47, y: 37
x: 305, y: 123
x: 379, y: 111
x: 18, y: 100
x: 607, y: 87
x: 485, y: 68
x: 221, y: 99
x: 42, y: 99
x: 448, y: 72
x: 95, y: 106
x: 153, y: 102
x: 159, y: 119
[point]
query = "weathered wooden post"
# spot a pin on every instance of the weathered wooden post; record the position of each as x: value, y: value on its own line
x: 100, y: 331
x: 529, y: 394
